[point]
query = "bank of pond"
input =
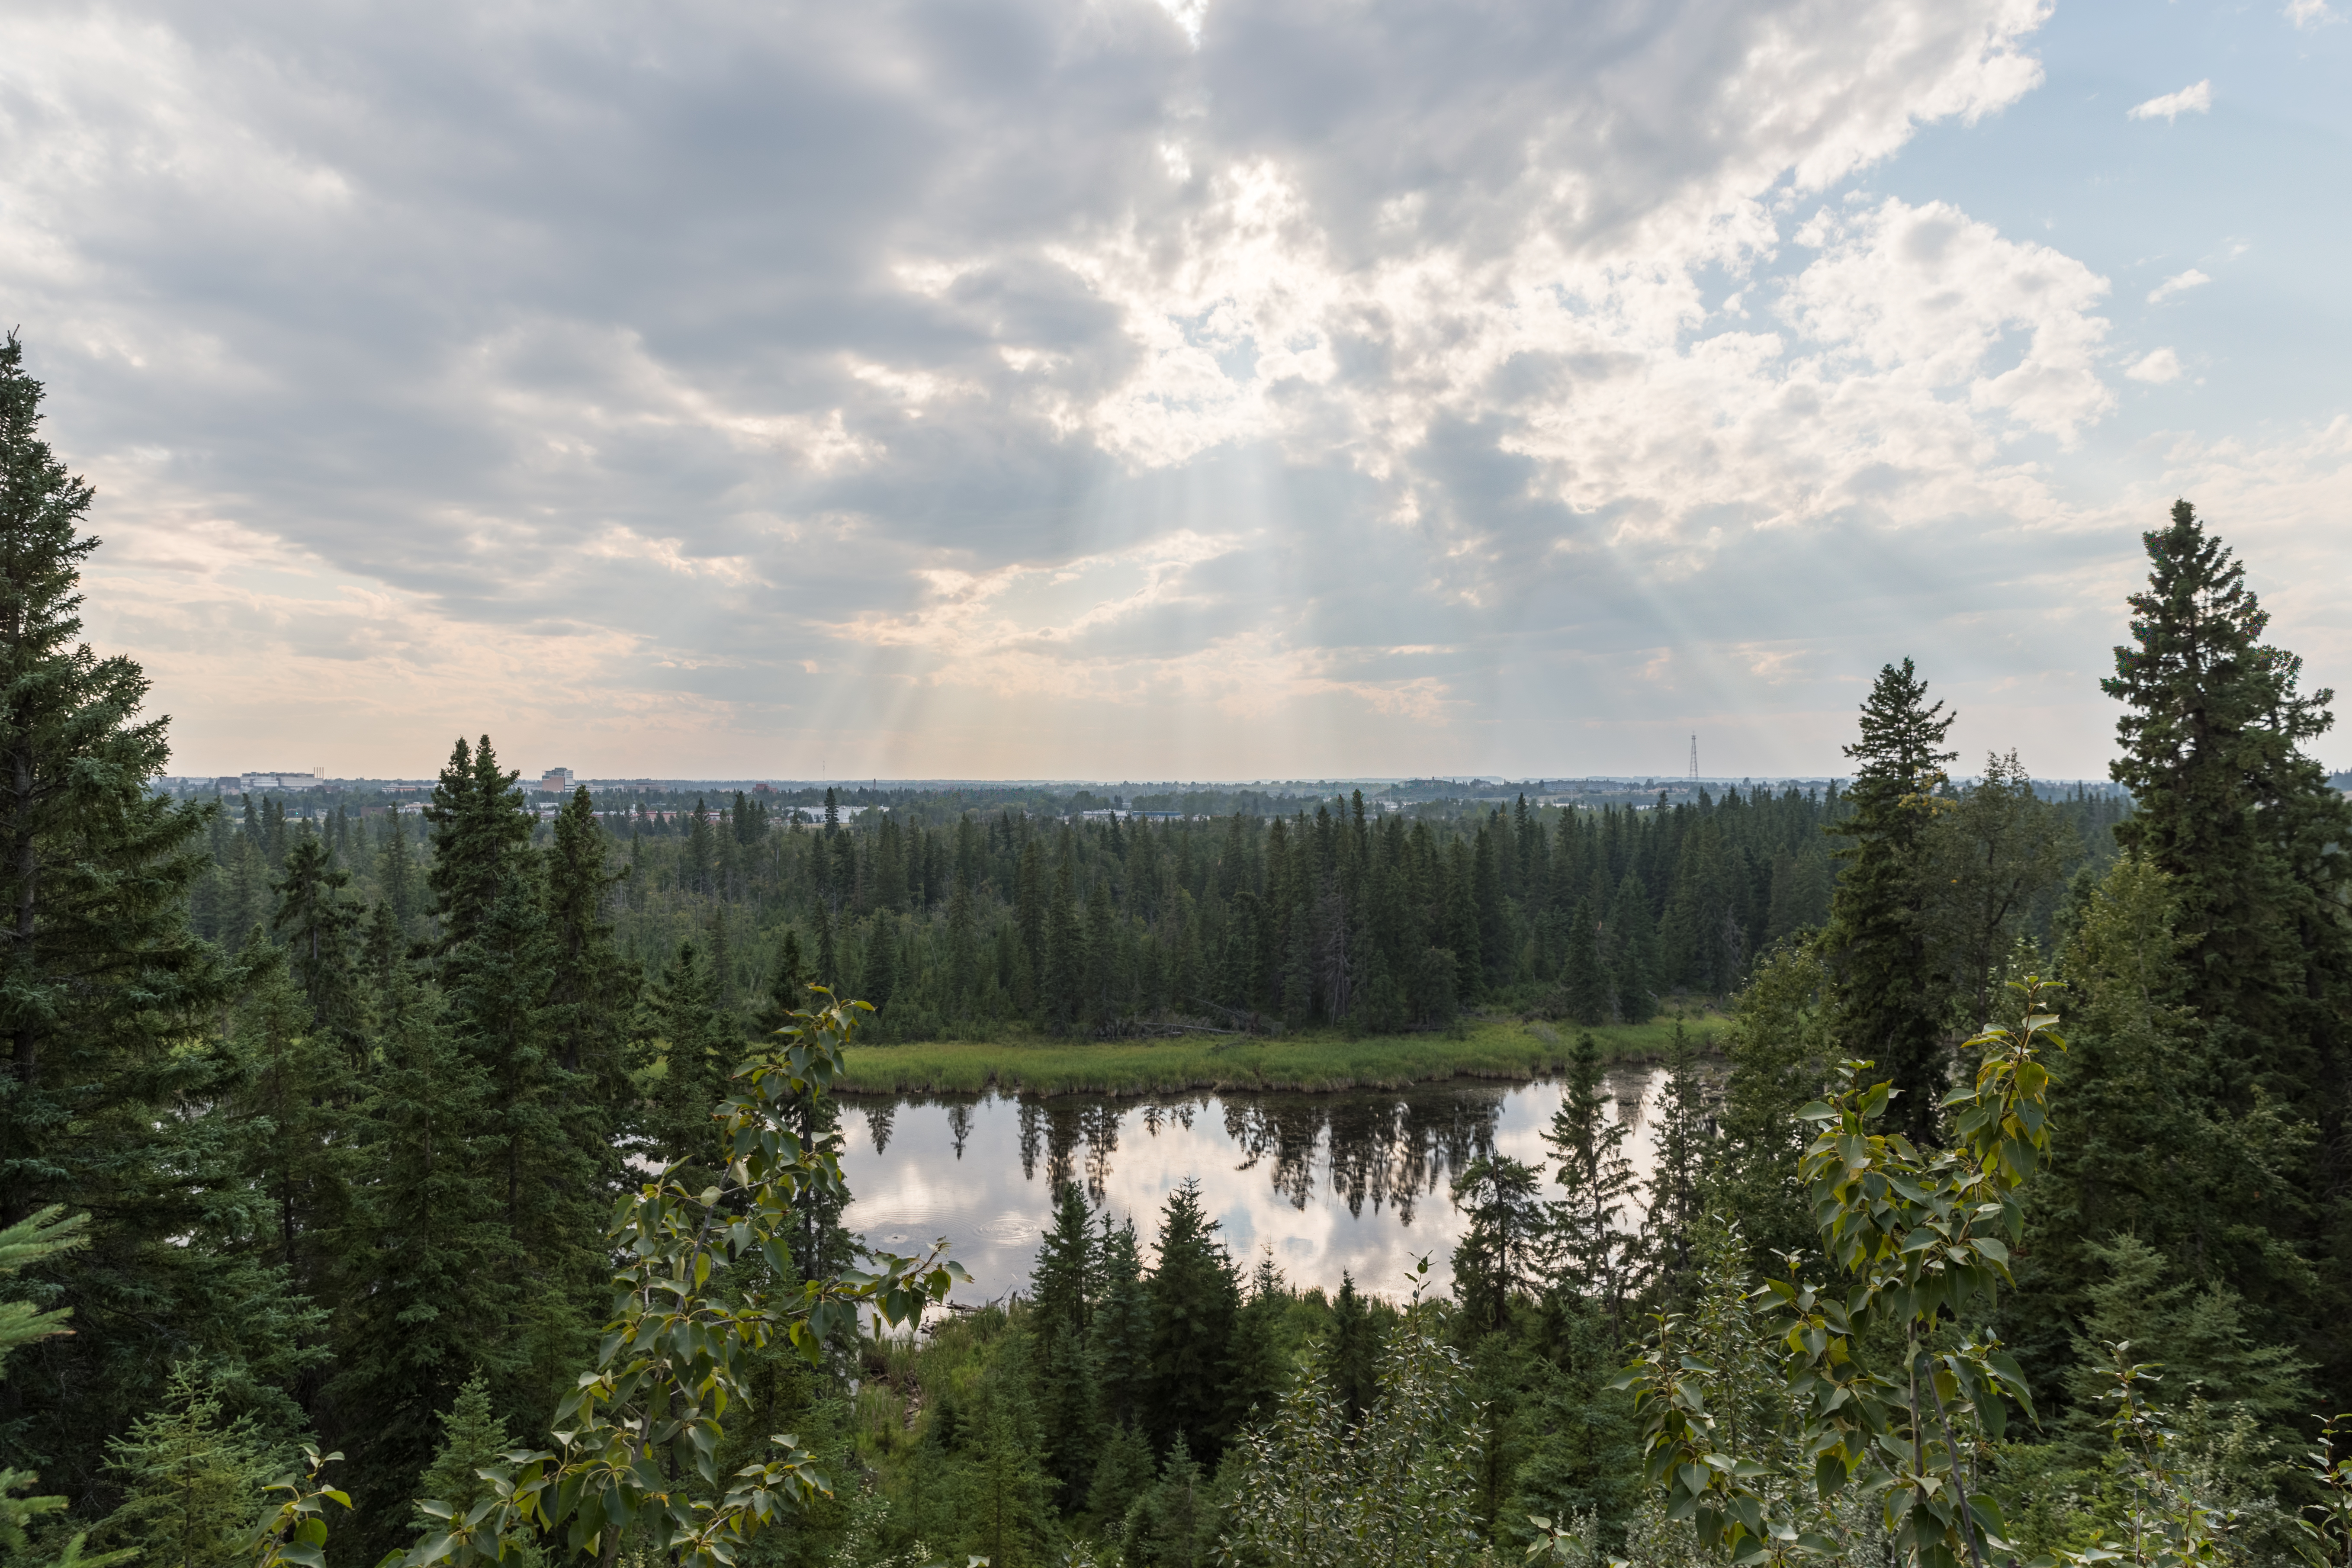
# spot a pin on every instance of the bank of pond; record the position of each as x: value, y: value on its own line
x: 1314, y: 1062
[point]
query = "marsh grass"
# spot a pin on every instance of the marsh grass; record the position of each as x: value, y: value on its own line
x: 1315, y: 1061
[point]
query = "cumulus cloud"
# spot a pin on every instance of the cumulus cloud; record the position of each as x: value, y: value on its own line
x: 2156, y: 366
x: 2195, y: 99
x: 2309, y: 13
x: 2179, y: 283
x: 1021, y: 388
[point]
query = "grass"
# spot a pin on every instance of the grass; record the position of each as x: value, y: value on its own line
x: 1316, y: 1061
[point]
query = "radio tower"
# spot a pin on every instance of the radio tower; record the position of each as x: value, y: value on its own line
x: 1694, y: 759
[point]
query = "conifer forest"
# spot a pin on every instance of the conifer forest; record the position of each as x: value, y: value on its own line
x: 463, y: 1185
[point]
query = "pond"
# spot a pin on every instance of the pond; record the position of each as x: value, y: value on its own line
x: 1357, y: 1183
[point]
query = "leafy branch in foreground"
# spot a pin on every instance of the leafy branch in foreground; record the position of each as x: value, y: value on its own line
x: 1917, y: 1235
x: 707, y: 1279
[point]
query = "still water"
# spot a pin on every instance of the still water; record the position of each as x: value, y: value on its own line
x: 1328, y: 1184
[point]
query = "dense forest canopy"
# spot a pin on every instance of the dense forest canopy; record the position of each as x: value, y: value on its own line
x: 461, y: 1147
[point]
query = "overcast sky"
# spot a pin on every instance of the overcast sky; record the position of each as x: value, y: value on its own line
x: 1152, y: 388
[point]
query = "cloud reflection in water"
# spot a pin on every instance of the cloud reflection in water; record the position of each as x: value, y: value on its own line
x: 1355, y: 1182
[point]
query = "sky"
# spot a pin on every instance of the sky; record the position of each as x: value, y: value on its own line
x: 1152, y: 389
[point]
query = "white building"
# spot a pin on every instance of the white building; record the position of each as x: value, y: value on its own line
x: 556, y: 780
x: 312, y: 778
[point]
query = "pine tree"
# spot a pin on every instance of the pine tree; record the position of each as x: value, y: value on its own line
x: 587, y: 989
x: 1493, y: 1260
x: 1636, y: 945
x: 1893, y: 1004
x: 695, y: 1054
x: 1173, y: 1524
x: 43, y: 1235
x: 192, y: 1481
x: 293, y: 1108
x: 880, y: 981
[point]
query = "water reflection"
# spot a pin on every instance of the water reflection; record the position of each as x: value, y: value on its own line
x: 1326, y: 1183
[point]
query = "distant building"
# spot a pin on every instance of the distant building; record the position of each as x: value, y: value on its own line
x: 310, y: 778
x: 556, y: 780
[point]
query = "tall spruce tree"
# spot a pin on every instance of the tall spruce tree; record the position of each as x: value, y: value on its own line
x: 2250, y: 834
x: 2231, y: 806
x: 1194, y: 1300
x: 431, y: 1292
x: 102, y: 984
x: 1894, y: 1005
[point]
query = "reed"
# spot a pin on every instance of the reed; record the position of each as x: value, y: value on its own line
x: 1312, y: 1061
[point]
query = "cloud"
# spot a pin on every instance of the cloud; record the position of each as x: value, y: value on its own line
x: 2179, y: 283
x: 2197, y: 99
x: 2156, y: 367
x: 2309, y: 13
x: 1017, y: 387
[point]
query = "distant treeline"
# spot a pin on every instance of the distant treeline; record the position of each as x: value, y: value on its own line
x: 955, y: 919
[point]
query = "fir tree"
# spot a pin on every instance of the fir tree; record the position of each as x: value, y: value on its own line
x: 1893, y: 1004
x: 1355, y: 1350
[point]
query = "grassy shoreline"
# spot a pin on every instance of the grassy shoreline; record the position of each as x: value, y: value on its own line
x: 1314, y: 1063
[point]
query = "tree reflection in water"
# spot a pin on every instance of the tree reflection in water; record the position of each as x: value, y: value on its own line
x: 1329, y: 1182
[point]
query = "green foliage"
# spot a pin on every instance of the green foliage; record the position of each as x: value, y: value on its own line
x: 1312, y: 1490
x: 1917, y: 1236
x: 673, y: 1356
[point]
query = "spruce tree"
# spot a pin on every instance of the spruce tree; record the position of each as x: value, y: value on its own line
x: 1590, y: 1256
x: 1194, y: 1298
x: 481, y: 830
x: 191, y: 1479
x: 431, y: 1291
x: 2230, y: 805
x: 1063, y: 1001
x: 472, y: 1437
x: 1584, y: 979
x: 1120, y: 1339
x: 317, y: 926
x: 1894, y: 1005
x: 1063, y: 1285
x: 102, y: 985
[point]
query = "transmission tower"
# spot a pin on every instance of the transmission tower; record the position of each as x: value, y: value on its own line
x: 1694, y: 759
